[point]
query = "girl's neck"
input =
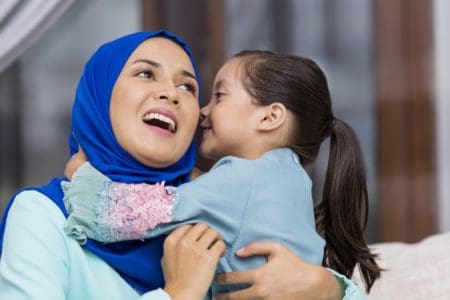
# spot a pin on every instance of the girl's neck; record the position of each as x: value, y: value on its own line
x: 257, y: 150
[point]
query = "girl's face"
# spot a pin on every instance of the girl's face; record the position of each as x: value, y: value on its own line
x: 230, y: 116
x: 154, y: 108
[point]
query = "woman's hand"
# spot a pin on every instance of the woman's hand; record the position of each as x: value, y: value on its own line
x: 285, y: 276
x: 74, y: 163
x: 191, y: 254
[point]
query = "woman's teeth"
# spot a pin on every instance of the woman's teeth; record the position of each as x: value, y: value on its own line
x: 160, y: 120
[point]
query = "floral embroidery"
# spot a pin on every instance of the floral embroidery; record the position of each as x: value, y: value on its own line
x: 128, y: 211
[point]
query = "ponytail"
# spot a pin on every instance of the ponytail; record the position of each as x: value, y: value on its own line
x: 342, y: 214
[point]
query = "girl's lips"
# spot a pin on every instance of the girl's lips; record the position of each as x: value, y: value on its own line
x: 205, y: 127
x: 205, y: 131
x: 205, y: 124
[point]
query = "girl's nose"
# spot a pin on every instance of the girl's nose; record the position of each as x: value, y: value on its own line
x: 204, y: 111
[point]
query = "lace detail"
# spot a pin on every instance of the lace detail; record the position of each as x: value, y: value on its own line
x: 128, y: 211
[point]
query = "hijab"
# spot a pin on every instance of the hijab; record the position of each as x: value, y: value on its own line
x: 138, y: 262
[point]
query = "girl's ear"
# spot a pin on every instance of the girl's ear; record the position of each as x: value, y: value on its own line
x: 273, y: 116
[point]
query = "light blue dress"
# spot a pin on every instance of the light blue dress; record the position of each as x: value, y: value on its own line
x: 40, y: 261
x: 267, y: 199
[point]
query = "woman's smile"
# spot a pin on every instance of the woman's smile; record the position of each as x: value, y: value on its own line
x: 161, y: 120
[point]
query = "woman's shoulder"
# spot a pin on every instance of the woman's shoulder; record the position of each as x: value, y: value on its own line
x: 35, y: 206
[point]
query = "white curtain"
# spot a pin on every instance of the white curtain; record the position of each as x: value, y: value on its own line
x: 22, y: 22
x: 442, y: 94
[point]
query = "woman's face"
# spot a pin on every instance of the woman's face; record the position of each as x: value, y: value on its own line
x: 154, y: 108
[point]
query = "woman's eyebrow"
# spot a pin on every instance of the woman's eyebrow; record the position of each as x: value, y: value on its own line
x: 158, y: 65
x: 188, y: 74
x: 147, y: 61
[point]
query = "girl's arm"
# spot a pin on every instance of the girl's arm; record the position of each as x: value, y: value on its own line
x: 108, y: 211
x: 287, y: 276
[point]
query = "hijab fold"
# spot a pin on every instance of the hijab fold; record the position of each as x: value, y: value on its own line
x: 138, y: 262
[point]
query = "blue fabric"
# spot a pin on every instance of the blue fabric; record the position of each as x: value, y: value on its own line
x: 136, y: 261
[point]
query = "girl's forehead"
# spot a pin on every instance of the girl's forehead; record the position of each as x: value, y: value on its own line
x: 231, y: 71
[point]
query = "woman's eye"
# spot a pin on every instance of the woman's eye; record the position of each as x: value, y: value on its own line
x: 145, y: 74
x: 188, y: 87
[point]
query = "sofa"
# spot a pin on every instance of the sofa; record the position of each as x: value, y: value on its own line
x: 413, y: 271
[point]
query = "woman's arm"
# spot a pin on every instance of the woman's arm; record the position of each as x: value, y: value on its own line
x: 286, y: 276
x: 34, y: 262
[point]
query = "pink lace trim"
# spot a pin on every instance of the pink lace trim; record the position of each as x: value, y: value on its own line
x: 128, y: 211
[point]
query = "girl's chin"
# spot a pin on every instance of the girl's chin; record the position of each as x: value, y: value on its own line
x: 203, y: 149
x: 208, y: 154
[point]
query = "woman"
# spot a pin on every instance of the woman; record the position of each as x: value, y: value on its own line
x: 32, y: 229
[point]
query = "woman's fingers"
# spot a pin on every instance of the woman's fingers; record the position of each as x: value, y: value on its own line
x: 218, y: 248
x: 191, y: 253
x: 208, y: 238
x: 268, y: 249
x: 236, y: 277
x: 180, y: 232
x: 247, y: 293
x: 284, y: 276
x: 195, y: 232
x: 198, y: 235
x: 176, y: 235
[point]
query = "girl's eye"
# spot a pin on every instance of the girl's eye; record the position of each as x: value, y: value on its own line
x: 145, y: 74
x: 188, y: 87
x: 218, y: 95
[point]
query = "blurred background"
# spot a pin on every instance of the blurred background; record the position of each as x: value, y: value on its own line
x: 387, y: 63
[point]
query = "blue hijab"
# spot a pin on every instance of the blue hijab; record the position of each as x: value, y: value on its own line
x: 138, y: 262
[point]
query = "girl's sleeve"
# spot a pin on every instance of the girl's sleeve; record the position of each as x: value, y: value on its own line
x: 109, y: 212
x: 34, y: 261
x: 351, y: 290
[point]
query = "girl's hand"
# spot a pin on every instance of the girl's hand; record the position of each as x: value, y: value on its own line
x: 74, y: 163
x: 284, y: 276
x: 191, y: 254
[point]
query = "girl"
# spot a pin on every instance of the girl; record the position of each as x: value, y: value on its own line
x: 268, y: 116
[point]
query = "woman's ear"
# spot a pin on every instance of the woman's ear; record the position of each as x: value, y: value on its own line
x: 273, y: 116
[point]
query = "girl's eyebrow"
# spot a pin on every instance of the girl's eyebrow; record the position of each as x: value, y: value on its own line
x: 218, y: 84
x: 158, y: 65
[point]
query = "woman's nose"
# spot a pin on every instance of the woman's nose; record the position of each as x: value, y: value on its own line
x: 167, y: 93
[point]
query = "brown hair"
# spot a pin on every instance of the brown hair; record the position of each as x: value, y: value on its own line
x: 341, y: 216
